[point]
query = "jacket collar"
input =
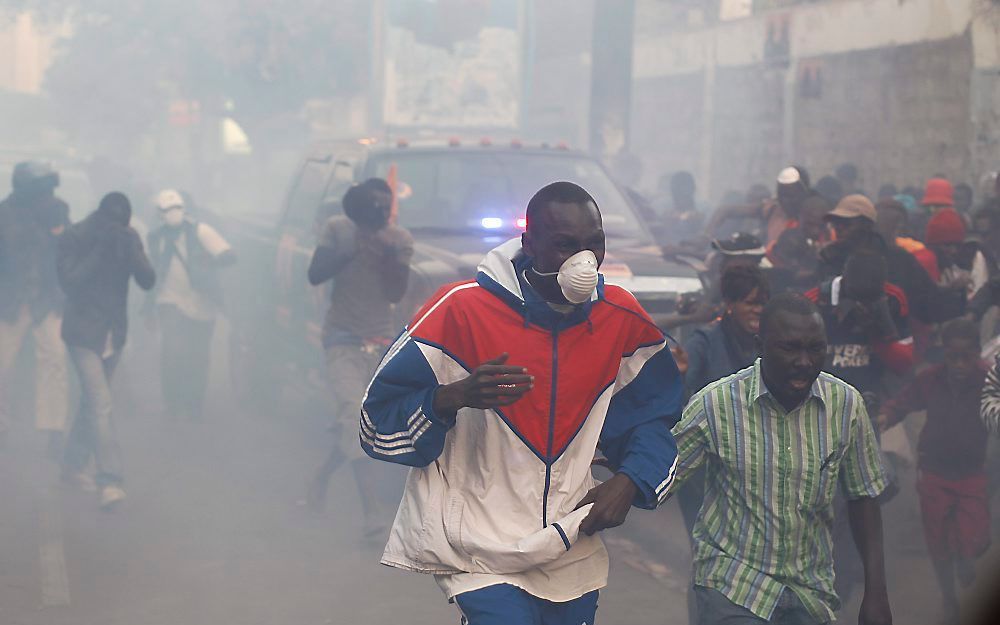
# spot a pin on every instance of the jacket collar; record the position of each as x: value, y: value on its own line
x: 758, y: 389
x: 500, y: 273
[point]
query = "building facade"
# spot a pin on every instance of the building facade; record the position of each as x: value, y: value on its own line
x: 904, y: 90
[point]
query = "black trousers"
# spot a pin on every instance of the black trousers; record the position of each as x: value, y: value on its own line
x: 184, y: 360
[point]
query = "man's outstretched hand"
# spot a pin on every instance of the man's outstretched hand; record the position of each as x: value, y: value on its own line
x: 611, y: 500
x: 493, y: 384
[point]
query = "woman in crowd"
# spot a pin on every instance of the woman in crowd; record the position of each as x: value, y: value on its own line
x: 727, y: 345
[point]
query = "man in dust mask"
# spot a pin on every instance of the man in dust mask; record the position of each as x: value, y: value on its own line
x: 499, y: 393
x: 188, y: 254
x: 171, y: 207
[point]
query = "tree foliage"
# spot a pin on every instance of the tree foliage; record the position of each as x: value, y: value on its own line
x: 124, y: 61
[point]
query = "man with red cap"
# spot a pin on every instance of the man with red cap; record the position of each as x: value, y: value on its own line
x: 960, y: 263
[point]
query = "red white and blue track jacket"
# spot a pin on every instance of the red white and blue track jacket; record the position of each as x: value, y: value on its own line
x: 492, y: 492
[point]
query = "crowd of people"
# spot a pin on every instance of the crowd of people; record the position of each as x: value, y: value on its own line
x: 827, y: 318
x: 67, y: 285
x: 906, y: 286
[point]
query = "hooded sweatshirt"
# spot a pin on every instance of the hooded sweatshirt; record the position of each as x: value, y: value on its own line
x: 97, y: 257
x: 491, y: 495
x: 29, y: 231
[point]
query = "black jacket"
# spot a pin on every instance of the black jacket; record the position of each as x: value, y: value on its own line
x: 28, y: 255
x: 96, y: 259
x: 713, y: 353
x: 928, y: 302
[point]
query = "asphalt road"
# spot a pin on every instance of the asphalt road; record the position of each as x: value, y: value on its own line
x: 211, y: 533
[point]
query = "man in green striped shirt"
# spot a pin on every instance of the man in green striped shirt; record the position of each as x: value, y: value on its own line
x: 777, y: 438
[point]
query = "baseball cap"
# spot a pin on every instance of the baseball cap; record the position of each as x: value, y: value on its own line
x: 853, y: 206
x: 789, y: 175
x: 169, y: 198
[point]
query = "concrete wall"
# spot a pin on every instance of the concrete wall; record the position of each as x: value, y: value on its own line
x: 904, y: 90
x: 901, y: 113
x: 985, y: 88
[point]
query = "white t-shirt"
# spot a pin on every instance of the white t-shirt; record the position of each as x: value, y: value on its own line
x: 979, y: 275
x: 177, y: 290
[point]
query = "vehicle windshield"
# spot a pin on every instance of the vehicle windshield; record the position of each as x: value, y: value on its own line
x: 490, y: 190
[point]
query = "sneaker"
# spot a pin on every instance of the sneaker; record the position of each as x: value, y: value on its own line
x: 111, y: 496
x: 81, y: 481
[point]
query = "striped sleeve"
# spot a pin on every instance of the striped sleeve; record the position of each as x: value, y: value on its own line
x: 647, y: 399
x: 990, y: 408
x: 861, y: 471
x: 693, y: 438
x: 398, y: 422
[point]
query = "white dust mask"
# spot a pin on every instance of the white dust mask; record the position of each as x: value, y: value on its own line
x: 577, y: 277
x: 173, y: 217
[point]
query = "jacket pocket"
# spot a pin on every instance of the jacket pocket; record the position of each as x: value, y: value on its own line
x: 483, y: 554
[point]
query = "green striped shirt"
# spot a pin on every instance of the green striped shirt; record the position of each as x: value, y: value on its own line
x: 771, y: 475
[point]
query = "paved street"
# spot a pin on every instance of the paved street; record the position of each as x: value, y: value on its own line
x: 211, y: 534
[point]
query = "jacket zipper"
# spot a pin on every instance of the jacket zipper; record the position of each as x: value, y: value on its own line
x: 552, y: 426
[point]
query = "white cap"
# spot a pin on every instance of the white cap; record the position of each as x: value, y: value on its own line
x: 789, y: 175
x: 169, y: 198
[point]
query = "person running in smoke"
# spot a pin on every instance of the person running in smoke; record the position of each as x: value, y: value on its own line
x: 679, y: 216
x: 849, y: 178
x: 961, y: 264
x: 990, y: 401
x: 97, y: 258
x: 31, y: 220
x: 853, y: 221
x: 187, y: 255
x: 718, y: 350
x: 369, y: 260
x: 892, y: 223
x: 775, y: 215
x: 776, y: 440
x: 951, y: 483
x: 867, y: 326
x: 867, y: 323
x: 498, y: 393
x: 727, y: 345
x: 795, y: 263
